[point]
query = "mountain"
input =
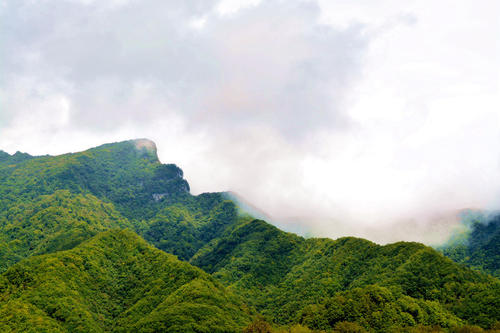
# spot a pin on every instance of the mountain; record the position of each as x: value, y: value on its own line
x: 127, y: 173
x: 68, y: 198
x: 54, y: 222
x: 292, y: 279
x: 84, y: 239
x: 477, y: 245
x: 115, y: 282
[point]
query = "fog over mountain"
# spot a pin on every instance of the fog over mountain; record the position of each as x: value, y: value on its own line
x: 335, y: 118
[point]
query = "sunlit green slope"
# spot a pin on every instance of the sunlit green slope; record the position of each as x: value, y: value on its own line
x: 115, y: 282
x: 51, y: 203
x: 49, y: 223
x: 62, y: 269
x: 319, y: 282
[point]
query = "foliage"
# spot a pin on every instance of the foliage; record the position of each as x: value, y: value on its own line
x: 127, y: 173
x: 53, y: 203
x: 259, y: 325
x: 289, y: 278
x: 67, y: 266
x: 480, y: 246
x: 375, y: 308
x: 51, y: 223
x: 117, y: 282
x: 182, y: 228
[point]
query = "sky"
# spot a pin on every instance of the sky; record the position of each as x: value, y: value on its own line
x: 377, y: 119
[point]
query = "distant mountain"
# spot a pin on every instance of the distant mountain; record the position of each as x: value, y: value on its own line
x: 67, y: 264
x: 246, y: 208
x: 477, y: 243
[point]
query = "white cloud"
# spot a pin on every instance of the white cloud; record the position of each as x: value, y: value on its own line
x: 344, y: 117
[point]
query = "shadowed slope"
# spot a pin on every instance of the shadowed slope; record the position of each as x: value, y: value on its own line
x: 478, y: 248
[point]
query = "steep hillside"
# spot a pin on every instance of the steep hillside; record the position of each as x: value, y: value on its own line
x: 185, y: 224
x: 127, y: 173
x: 64, y: 270
x: 54, y: 222
x: 115, y: 282
x: 68, y: 198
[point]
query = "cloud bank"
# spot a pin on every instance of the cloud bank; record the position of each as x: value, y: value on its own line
x: 335, y: 118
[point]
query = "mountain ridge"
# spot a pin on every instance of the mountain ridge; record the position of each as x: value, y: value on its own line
x: 50, y: 205
x: 107, y: 281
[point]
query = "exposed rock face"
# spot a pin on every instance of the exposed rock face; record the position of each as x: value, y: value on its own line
x: 159, y: 196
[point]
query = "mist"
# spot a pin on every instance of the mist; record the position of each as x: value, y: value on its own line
x: 332, y: 118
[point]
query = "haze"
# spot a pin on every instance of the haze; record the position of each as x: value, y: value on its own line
x: 374, y: 119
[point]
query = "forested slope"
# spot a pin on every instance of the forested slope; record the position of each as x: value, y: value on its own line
x: 115, y: 282
x: 51, y: 200
x: 67, y: 266
x: 292, y: 280
x: 479, y: 245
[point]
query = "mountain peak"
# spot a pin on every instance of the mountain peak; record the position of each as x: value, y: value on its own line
x: 136, y: 148
x: 145, y: 144
x: 146, y: 148
x: 14, y: 158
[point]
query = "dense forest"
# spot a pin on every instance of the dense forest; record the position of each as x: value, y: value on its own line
x: 111, y: 240
x: 477, y: 243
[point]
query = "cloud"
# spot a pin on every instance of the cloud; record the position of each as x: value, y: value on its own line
x: 245, y: 69
x: 334, y: 117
